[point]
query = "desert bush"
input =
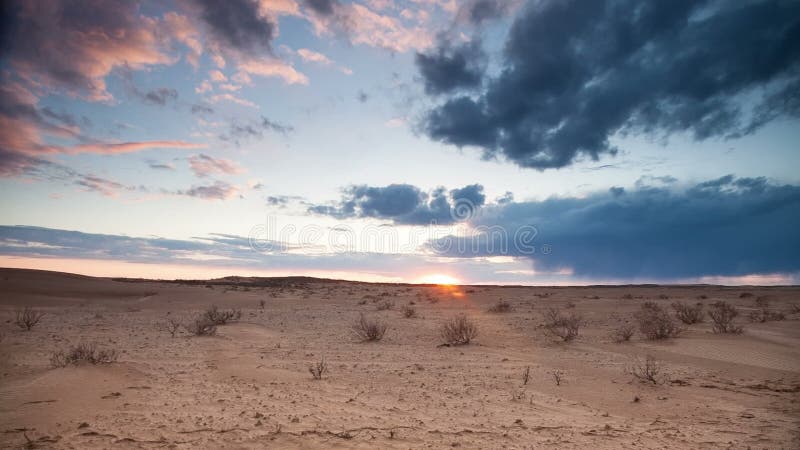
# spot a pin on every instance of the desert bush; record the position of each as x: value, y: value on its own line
x: 558, y: 377
x: 655, y: 323
x: 648, y: 370
x: 500, y: 307
x: 201, y: 326
x: 688, y: 314
x: 83, y: 353
x: 261, y: 304
x: 722, y: 315
x: 384, y: 305
x: 27, y: 318
x: 171, y: 325
x: 745, y: 295
x: 795, y: 308
x: 762, y: 301
x: 459, y: 330
x: 318, y: 369
x: 409, y: 312
x: 622, y: 333
x: 526, y: 375
x: 565, y: 327
x: 762, y: 315
x: 367, y: 330
x: 221, y: 316
x: 663, y: 296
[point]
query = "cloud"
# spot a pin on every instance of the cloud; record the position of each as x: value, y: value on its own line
x: 159, y: 165
x: 61, y: 46
x: 723, y: 227
x: 478, y: 12
x: 239, y: 24
x: 199, y: 108
x: 573, y: 74
x: 363, y: 26
x: 450, y: 68
x: 405, y: 204
x: 271, y: 68
x: 219, y: 190
x: 242, y: 131
x: 204, y: 165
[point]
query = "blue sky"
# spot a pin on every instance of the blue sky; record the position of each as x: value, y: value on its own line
x: 355, y: 137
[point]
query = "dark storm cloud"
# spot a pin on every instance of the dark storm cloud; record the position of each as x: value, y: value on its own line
x: 450, y: 68
x: 724, y: 227
x: 575, y: 73
x: 480, y: 11
x: 238, y: 23
x: 405, y: 204
x: 322, y: 7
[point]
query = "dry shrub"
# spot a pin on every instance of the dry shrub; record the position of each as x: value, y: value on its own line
x: 689, y: 314
x: 501, y: 306
x: 409, y: 312
x: 83, y: 353
x: 368, y: 330
x: 795, y: 308
x: 648, y: 371
x: 27, y: 318
x: 655, y: 323
x: 459, y: 330
x: 623, y: 333
x: 221, y: 316
x: 171, y: 325
x: 745, y: 295
x: 722, y: 315
x: 318, y: 369
x: 762, y: 301
x: 762, y: 315
x: 384, y: 305
x: 558, y: 377
x: 201, y: 326
x: 565, y: 327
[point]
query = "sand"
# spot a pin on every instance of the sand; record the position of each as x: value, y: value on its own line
x: 249, y: 386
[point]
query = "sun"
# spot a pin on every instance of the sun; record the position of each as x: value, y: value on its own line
x: 439, y: 278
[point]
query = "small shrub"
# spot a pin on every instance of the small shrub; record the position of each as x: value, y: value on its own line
x: 28, y: 318
x: 702, y: 297
x: 623, y: 333
x: 558, y: 377
x: 745, y: 295
x: 648, y: 371
x: 762, y: 301
x: 368, y: 330
x: 318, y: 369
x: 722, y: 315
x: 762, y: 315
x: 663, y: 296
x: 459, y: 330
x: 655, y: 323
x: 261, y: 304
x: 201, y: 326
x: 526, y: 375
x: 565, y: 327
x: 795, y: 308
x: 83, y: 353
x: 500, y: 307
x: 384, y: 305
x: 171, y: 325
x: 409, y: 312
x: 221, y: 316
x: 688, y: 314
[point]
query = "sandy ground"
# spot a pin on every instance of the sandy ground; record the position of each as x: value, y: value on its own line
x: 249, y: 386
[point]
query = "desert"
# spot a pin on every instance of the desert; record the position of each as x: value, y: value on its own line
x: 516, y: 384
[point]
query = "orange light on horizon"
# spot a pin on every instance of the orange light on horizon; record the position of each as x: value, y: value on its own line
x: 440, y: 279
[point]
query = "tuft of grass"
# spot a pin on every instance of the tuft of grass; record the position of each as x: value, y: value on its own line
x: 409, y: 312
x: 28, y: 318
x: 384, y: 305
x: 368, y: 330
x: 171, y: 325
x: 201, y: 326
x: 459, y: 330
x: 83, y: 353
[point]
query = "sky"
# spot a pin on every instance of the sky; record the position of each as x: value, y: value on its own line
x: 488, y: 141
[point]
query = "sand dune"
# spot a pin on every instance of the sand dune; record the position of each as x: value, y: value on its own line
x: 249, y: 386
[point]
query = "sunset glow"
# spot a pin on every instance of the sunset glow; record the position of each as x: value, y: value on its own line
x: 438, y: 278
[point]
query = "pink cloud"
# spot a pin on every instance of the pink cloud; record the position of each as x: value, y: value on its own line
x: 203, y: 165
